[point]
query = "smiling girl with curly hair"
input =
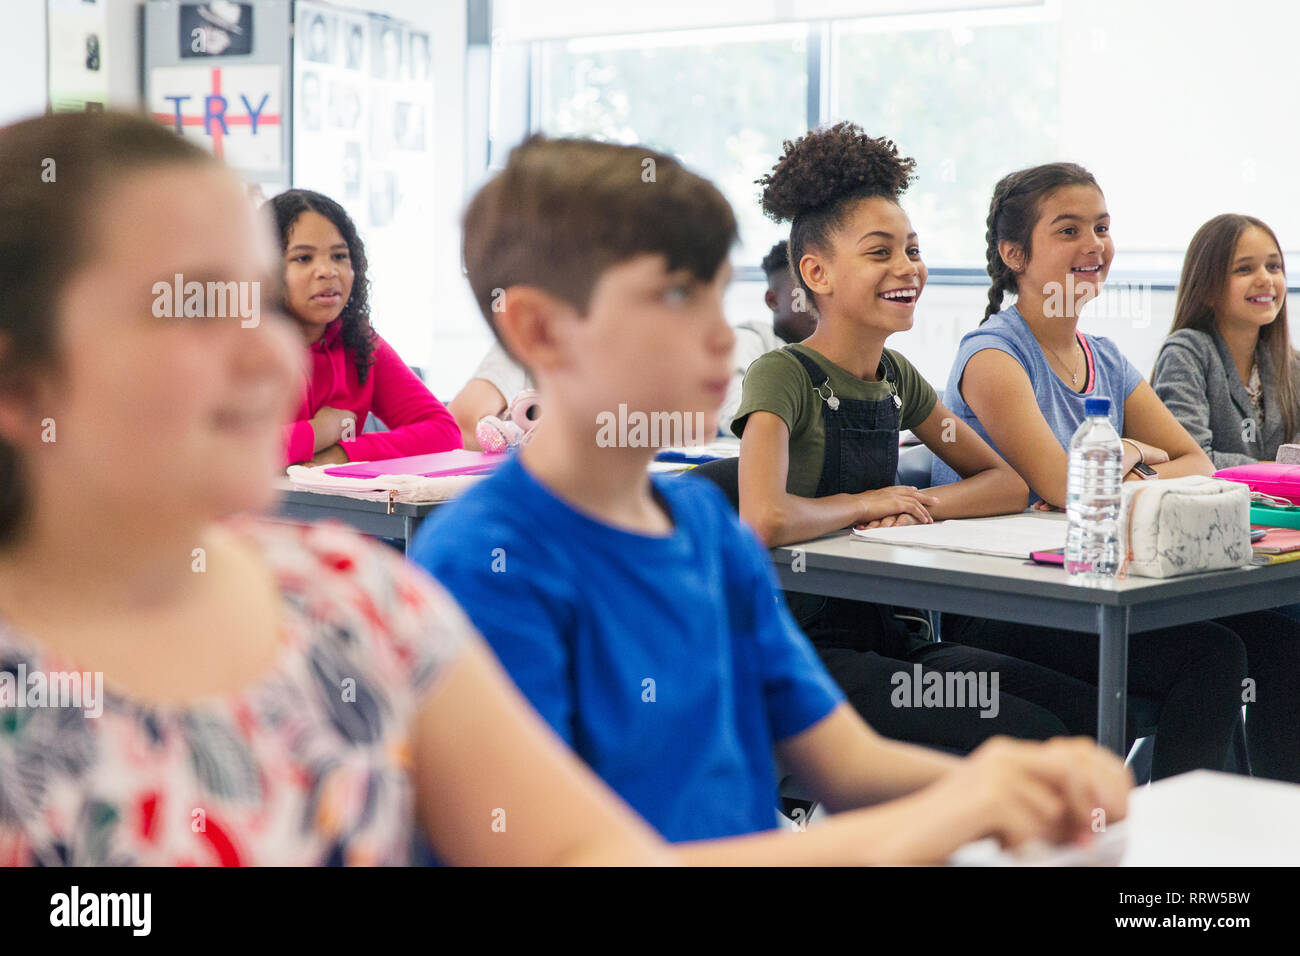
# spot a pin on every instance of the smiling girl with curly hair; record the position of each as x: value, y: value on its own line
x: 820, y: 421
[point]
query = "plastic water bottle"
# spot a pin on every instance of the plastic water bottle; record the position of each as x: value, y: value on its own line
x: 1092, y: 496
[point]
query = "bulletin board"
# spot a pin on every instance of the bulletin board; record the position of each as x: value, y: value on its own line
x: 216, y: 73
x: 76, y: 48
x: 363, y: 105
x: 363, y: 135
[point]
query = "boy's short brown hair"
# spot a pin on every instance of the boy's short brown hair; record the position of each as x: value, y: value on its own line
x: 565, y: 210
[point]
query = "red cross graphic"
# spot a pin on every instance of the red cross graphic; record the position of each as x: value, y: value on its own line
x: 215, y: 121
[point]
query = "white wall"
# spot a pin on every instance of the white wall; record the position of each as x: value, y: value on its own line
x: 1183, y: 109
x: 1148, y: 74
x: 22, y: 53
x: 454, y: 333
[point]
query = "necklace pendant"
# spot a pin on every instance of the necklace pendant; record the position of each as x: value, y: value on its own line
x: 833, y: 403
x: 898, y: 402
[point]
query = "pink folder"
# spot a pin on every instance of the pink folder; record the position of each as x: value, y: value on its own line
x: 1281, y: 481
x: 442, y: 464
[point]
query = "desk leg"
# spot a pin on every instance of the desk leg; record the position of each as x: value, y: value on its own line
x: 408, y: 532
x: 1112, y: 677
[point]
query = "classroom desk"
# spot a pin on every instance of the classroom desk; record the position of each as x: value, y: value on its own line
x: 1009, y: 589
x: 379, y: 519
x: 369, y: 517
x: 1197, y: 819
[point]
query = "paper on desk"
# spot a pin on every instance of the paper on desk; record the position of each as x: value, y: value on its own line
x: 1012, y: 537
x: 1106, y: 848
x: 1202, y: 819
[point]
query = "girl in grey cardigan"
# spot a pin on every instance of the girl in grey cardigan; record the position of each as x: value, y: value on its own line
x: 1227, y: 370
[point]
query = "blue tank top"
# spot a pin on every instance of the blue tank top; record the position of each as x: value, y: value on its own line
x: 1109, y: 375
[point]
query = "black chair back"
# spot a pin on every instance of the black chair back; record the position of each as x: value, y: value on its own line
x: 723, y: 472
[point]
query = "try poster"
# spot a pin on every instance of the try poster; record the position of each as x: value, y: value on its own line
x: 234, y: 111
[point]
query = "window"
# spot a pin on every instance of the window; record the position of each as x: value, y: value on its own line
x: 970, y: 101
x: 722, y: 101
x: 1179, y: 116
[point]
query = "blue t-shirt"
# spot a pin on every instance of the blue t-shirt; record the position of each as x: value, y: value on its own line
x: 1109, y: 375
x: 669, y: 664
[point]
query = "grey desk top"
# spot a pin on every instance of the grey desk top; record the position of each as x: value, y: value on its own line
x: 844, y: 552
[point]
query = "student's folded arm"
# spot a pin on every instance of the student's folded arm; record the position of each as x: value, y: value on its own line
x: 996, y: 388
x: 1146, y: 419
x: 299, y: 440
x: 1179, y: 382
x: 418, y: 423
x: 989, y: 486
x: 777, y: 516
x: 846, y: 764
x: 478, y: 399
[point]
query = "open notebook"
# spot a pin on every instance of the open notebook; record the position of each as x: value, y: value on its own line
x: 1016, y: 536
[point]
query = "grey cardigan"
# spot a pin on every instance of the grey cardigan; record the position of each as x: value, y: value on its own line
x: 1197, y: 379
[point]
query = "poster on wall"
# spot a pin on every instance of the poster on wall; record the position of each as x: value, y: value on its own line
x: 76, y: 77
x: 217, y: 73
x: 216, y: 28
x: 233, y: 111
x: 362, y: 135
x: 363, y: 102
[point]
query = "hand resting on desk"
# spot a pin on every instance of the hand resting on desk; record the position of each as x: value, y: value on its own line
x: 886, y: 507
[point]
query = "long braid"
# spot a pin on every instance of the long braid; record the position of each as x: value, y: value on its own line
x: 1012, y: 214
x: 997, y: 269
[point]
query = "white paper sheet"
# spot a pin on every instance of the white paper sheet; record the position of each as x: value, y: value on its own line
x: 1011, y: 537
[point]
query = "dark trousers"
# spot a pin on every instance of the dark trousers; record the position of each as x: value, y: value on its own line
x: 871, y: 655
x: 1272, y: 640
x: 1033, y: 702
x: 1195, y: 672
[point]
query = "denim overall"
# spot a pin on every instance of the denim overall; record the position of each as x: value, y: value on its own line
x: 861, y: 455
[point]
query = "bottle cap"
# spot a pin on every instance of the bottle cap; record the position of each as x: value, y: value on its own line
x: 1096, y: 406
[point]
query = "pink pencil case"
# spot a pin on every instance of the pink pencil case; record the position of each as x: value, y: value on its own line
x: 1270, y: 478
x: 442, y: 464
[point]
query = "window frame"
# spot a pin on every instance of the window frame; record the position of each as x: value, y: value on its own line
x: 822, y: 40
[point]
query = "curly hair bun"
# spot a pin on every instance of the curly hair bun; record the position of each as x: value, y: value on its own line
x: 830, y: 164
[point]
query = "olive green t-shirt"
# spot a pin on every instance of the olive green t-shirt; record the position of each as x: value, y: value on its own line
x: 777, y: 383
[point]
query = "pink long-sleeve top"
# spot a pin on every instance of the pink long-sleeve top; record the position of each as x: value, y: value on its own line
x: 418, y: 423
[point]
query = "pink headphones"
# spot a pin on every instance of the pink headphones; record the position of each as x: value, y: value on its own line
x: 514, y: 428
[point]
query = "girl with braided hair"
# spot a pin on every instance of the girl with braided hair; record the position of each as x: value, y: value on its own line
x: 819, y: 424
x: 1020, y: 381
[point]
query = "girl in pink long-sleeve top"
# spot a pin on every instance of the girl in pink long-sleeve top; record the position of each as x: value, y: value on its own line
x: 352, y: 370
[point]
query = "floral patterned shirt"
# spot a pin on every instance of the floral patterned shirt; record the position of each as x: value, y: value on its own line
x: 307, y: 765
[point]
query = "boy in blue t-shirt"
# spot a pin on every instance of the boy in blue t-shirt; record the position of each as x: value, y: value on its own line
x: 636, y: 614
